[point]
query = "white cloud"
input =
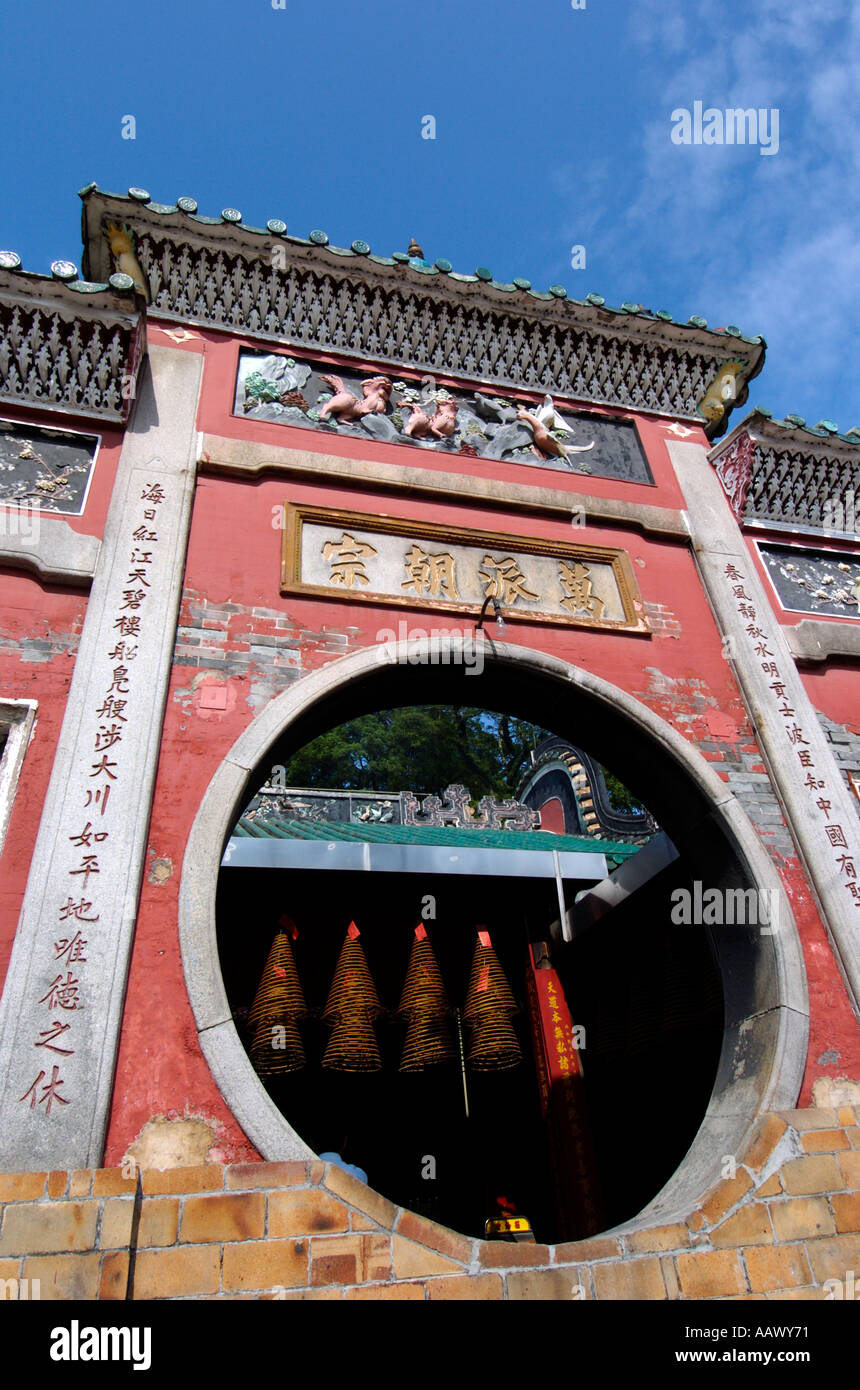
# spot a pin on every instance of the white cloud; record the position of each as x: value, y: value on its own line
x: 768, y: 242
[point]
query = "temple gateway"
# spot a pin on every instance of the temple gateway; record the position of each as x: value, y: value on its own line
x: 588, y: 1034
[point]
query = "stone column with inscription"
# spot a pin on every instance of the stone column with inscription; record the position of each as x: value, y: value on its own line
x: 62, y: 1003
x: 817, y: 804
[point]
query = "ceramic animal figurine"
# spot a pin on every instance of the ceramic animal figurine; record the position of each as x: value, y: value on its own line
x: 546, y: 444
x: 124, y: 256
x: 345, y: 406
x: 377, y: 390
x: 722, y: 391
x: 419, y: 420
x: 444, y: 422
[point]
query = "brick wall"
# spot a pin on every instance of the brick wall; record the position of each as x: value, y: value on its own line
x: 845, y: 747
x: 785, y: 1223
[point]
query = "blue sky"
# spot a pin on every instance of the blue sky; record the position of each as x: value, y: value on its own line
x: 553, y: 129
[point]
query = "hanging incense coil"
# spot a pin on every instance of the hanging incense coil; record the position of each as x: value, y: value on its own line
x: 279, y: 993
x: 428, y: 1042
x: 352, y: 989
x: 277, y: 1048
x: 423, y: 989
x: 352, y: 1046
x: 493, y: 1045
x: 489, y: 992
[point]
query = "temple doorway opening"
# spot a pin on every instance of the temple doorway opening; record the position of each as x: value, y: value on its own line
x: 430, y: 987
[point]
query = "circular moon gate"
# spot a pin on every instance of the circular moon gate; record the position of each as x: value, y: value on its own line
x: 763, y: 977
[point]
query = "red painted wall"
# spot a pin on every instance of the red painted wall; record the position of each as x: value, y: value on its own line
x: 234, y: 560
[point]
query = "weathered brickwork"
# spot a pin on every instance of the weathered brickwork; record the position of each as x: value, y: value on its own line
x: 845, y: 747
x: 265, y: 645
x: 724, y: 738
x: 786, y: 1225
x: 663, y: 621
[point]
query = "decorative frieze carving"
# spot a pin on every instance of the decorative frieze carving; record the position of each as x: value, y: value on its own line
x: 453, y: 808
x: 290, y: 391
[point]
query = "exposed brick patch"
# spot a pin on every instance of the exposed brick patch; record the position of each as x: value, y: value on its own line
x: 663, y: 621
x: 711, y: 1274
x: 264, y: 644
x: 69, y: 1278
x: 748, y: 1226
x: 178, y: 1273
x: 223, y: 1217
x: 845, y: 747
x: 203, y: 1178
x: 21, y: 1187
x: 548, y: 1283
x: 800, y: 1217
x: 777, y: 1268
x: 306, y: 1213
x: 265, y: 1265
x: 658, y: 1238
x: 352, y: 1259
x: 38, y: 650
x: 475, y: 1286
x: 242, y: 1175
x: 47, y: 1227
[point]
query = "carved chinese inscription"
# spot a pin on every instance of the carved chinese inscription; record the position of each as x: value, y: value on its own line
x: 815, y: 780
x: 77, y: 902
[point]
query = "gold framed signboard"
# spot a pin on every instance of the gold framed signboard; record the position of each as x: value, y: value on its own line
x: 359, y: 557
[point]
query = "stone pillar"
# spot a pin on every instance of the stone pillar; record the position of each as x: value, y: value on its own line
x: 62, y: 1003
x: 816, y: 803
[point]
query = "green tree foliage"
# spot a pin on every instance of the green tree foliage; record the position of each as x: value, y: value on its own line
x: 621, y: 798
x: 423, y: 749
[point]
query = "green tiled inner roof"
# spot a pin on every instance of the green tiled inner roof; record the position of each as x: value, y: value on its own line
x: 276, y: 828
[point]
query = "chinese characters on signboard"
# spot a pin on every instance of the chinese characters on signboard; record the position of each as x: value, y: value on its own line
x: 424, y: 565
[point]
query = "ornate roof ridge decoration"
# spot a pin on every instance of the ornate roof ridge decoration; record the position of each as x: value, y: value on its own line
x: 303, y: 292
x: 332, y: 806
x: 588, y: 786
x: 66, y: 344
x: 786, y: 475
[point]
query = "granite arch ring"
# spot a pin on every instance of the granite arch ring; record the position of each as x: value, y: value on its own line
x: 764, y: 981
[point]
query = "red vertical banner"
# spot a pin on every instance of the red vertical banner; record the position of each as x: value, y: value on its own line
x: 562, y: 1095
